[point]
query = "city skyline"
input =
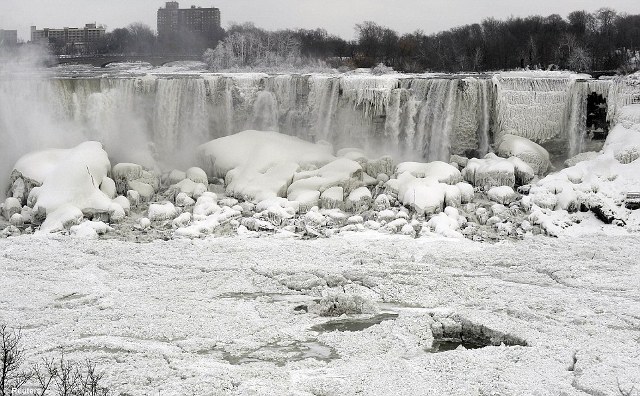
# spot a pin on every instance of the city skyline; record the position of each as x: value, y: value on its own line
x: 334, y: 16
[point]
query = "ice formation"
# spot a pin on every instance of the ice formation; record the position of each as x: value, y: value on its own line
x: 599, y: 182
x: 531, y: 153
x: 330, y: 165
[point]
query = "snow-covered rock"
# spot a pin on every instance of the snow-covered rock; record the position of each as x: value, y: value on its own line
x: 491, y: 171
x: 63, y: 217
x: 70, y: 177
x: 197, y: 175
x: 441, y: 171
x: 10, y: 207
x: 108, y: 186
x: 332, y: 198
x: 342, y: 172
x: 382, y: 202
x: 183, y: 200
x: 359, y: 200
x: 503, y: 194
x: 424, y: 195
x: 144, y: 191
x: 17, y: 220
x: 466, y: 192
x: 446, y: 224
x: 90, y: 229
x: 260, y: 165
x: 162, y: 212
x: 531, y: 153
x: 176, y: 176
x: 181, y: 221
x: 122, y: 173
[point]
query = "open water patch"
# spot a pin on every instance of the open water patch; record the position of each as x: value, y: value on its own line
x: 353, y: 324
x: 281, y: 353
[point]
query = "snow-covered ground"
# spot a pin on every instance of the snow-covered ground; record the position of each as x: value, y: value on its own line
x: 227, y: 315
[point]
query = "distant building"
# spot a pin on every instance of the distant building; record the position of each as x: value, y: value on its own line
x: 75, y: 38
x: 8, y: 38
x: 202, y: 22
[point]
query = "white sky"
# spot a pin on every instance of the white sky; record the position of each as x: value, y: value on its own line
x: 336, y: 16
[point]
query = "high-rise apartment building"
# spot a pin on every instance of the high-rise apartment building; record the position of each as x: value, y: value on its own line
x: 173, y: 20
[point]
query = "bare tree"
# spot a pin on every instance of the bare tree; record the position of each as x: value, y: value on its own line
x: 60, y: 377
x: 12, y: 357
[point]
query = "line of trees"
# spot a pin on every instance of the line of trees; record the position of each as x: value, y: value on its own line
x: 602, y: 40
x: 248, y: 46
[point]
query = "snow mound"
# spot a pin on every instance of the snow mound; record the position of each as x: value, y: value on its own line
x: 38, y: 165
x: 446, y: 223
x: 597, y: 183
x: 75, y: 180
x: 531, y: 153
x: 90, y: 229
x: 586, y: 156
x: 342, y: 172
x: 260, y: 165
x: 259, y: 151
x: 424, y: 195
x: 623, y: 143
x: 441, y: 171
x: 64, y: 217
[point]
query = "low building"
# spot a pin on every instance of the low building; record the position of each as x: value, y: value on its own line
x: 8, y: 38
x: 76, y: 38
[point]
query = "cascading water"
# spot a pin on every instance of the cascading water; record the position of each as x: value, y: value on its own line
x: 435, y: 119
x: 323, y: 99
x: 265, y: 112
x: 576, y: 118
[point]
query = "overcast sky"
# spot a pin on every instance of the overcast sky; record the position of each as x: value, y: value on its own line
x: 336, y: 16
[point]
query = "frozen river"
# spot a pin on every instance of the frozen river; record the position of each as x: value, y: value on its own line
x: 229, y: 315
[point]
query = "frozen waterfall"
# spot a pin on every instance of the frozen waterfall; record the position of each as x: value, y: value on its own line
x: 412, y: 117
